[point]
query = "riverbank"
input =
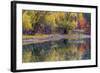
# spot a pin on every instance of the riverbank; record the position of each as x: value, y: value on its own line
x: 27, y: 39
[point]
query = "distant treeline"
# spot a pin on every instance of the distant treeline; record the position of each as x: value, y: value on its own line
x: 49, y: 22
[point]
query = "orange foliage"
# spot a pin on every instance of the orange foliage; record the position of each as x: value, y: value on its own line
x: 82, y: 21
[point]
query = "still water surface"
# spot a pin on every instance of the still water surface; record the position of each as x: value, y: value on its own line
x: 59, y: 50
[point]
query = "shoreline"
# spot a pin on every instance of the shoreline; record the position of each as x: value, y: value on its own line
x: 53, y: 37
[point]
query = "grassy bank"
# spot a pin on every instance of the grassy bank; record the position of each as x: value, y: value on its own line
x: 34, y: 36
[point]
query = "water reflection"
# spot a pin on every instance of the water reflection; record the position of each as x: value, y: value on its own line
x: 60, y: 50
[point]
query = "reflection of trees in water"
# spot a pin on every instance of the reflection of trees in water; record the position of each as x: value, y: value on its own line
x: 57, y: 54
x: 27, y: 55
x: 56, y: 51
x: 84, y: 49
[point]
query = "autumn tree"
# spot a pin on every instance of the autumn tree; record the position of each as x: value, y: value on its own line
x: 26, y: 21
x: 30, y: 19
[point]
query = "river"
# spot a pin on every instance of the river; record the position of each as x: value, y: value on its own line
x: 57, y: 50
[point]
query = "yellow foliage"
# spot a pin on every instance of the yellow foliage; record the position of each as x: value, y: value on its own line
x: 71, y: 20
x: 52, y: 17
x: 27, y: 56
x: 75, y: 21
x: 27, y: 25
x: 80, y: 15
x: 67, y: 20
x: 54, y: 55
